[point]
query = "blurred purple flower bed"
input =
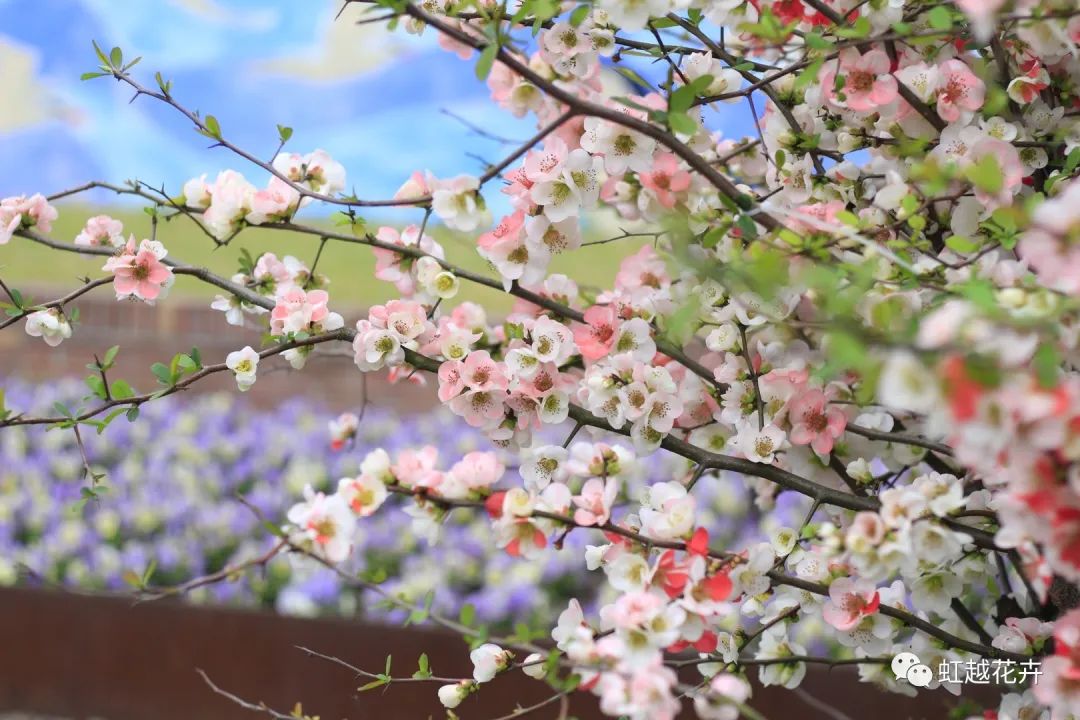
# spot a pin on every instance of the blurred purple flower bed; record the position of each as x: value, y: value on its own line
x: 173, y: 475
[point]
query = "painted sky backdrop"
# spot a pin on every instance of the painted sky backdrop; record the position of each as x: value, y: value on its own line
x: 373, y: 99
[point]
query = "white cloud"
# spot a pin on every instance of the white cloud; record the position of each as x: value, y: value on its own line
x: 22, y: 96
x: 343, y: 51
x: 213, y: 11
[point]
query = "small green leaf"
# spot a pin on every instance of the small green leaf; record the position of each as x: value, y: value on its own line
x: 961, y: 244
x: 284, y: 133
x: 486, y: 61
x: 940, y: 18
x: 682, y: 123
x: 212, y: 127
x: 162, y: 373
x: 121, y: 390
x: 1047, y: 364
x: 985, y: 174
x: 110, y: 357
x: 116, y: 57
x: 467, y: 616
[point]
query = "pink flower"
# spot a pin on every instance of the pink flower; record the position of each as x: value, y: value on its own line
x: 1025, y: 89
x: 451, y: 379
x: 479, y: 408
x: 642, y: 270
x: 478, y: 470
x: 22, y: 211
x: 480, y: 372
x: 959, y: 90
x: 399, y: 268
x: 101, y: 231
x: 665, y: 179
x: 416, y: 468
x: 595, y: 338
x: 296, y: 310
x: 868, y: 83
x: 276, y: 203
x: 1012, y: 170
x: 849, y: 602
x: 595, y: 501
x: 814, y: 423
x: 138, y: 271
x: 1059, y: 686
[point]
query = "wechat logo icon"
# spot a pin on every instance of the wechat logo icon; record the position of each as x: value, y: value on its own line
x: 907, y: 666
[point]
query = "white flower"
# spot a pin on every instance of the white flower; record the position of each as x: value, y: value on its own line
x: 452, y: 695
x: 907, y: 384
x: 244, y: 364
x: 50, y: 325
x: 670, y: 511
x: 364, y: 494
x: 623, y: 149
x: 634, y: 14
x: 488, y: 660
x: 934, y: 593
x: 543, y: 465
x: 759, y: 445
x: 326, y: 523
x: 775, y: 644
x: 628, y: 573
x: 534, y: 666
x: 457, y: 201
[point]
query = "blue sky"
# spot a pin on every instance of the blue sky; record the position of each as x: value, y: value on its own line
x: 371, y: 98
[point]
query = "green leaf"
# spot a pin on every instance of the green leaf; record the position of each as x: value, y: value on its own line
x: 284, y: 133
x: 940, y: 18
x: 486, y: 61
x: 985, y: 174
x: 810, y: 74
x: 110, y: 357
x: 121, y: 390
x: 162, y: 373
x: 683, y: 98
x: 100, y: 53
x: 92, y: 75
x: 467, y: 616
x: 815, y: 41
x: 133, y: 414
x: 578, y: 16
x: 96, y: 385
x: 961, y: 244
x: 425, y: 669
x: 1047, y: 364
x: 213, y: 128
x: 373, y: 684
x: 116, y: 57
x: 682, y: 123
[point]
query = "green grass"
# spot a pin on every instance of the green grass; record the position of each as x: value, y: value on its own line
x: 350, y: 267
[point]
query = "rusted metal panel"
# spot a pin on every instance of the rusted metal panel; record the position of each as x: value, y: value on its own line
x: 81, y: 657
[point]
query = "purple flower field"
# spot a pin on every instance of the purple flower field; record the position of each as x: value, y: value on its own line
x: 170, y: 505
